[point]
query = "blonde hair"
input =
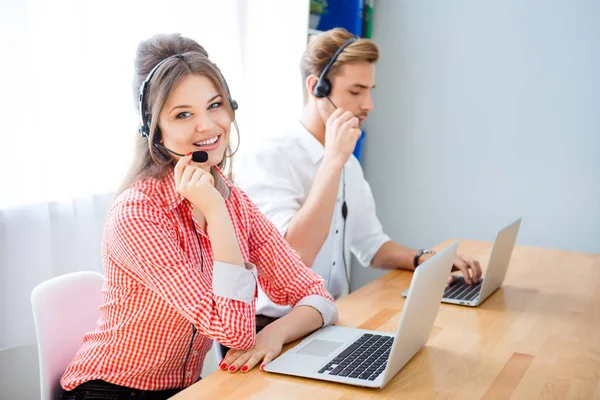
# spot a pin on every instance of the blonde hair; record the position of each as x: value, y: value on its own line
x: 322, y: 47
x: 148, y: 160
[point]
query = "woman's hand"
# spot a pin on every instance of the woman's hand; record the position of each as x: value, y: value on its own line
x: 269, y: 343
x: 198, y: 186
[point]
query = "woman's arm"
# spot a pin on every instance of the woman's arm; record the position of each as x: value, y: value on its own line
x: 286, y: 281
x: 142, y: 240
x: 269, y: 342
x: 297, y: 323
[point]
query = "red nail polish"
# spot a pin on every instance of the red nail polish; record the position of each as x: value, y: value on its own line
x: 232, y: 368
x: 223, y: 366
x: 244, y: 368
x: 262, y: 366
x: 188, y: 154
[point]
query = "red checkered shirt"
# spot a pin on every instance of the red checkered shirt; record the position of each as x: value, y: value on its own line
x: 162, y: 281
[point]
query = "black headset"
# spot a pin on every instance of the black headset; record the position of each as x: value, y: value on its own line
x: 144, y: 129
x: 323, y: 87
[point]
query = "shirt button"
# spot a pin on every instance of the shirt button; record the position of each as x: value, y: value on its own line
x: 336, y: 231
x: 195, y: 353
x: 334, y: 263
x: 188, y: 374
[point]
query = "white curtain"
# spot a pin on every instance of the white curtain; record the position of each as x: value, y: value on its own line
x: 69, y: 123
x: 38, y: 242
x: 68, y: 119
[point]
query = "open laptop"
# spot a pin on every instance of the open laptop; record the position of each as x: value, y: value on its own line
x: 371, y: 358
x: 459, y: 292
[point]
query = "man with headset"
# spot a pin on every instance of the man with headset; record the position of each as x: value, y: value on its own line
x: 308, y: 183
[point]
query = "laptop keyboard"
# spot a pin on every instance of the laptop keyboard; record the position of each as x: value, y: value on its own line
x: 459, y: 290
x: 365, y: 359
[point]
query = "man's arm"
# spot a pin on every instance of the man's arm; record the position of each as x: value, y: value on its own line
x: 309, y: 227
x: 392, y: 255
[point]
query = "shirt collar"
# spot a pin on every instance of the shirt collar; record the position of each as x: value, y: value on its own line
x: 171, y: 199
x: 313, y: 147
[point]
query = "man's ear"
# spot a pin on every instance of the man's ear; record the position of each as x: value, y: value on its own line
x: 310, y: 83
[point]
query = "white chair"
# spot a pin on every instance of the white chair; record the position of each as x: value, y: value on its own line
x: 64, y: 309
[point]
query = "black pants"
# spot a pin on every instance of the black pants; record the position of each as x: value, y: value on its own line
x: 101, y: 390
x: 261, y: 322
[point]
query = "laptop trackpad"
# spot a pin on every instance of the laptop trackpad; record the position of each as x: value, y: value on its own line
x: 321, y: 348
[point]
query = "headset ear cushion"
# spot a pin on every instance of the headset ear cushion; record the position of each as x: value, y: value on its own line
x: 322, y: 88
x: 144, y: 130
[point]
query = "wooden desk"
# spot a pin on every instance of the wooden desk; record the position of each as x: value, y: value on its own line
x: 538, y: 336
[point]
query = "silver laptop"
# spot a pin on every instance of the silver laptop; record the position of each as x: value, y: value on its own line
x: 459, y: 292
x: 371, y: 358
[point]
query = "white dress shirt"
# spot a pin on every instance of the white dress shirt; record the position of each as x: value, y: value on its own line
x: 277, y: 176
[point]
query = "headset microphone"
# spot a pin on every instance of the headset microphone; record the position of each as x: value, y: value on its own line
x: 197, y: 156
x: 332, y: 103
x: 144, y: 129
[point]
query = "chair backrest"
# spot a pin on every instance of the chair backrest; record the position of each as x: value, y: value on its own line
x: 64, y: 309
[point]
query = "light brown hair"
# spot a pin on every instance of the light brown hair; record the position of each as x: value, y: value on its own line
x: 150, y: 161
x: 322, y: 47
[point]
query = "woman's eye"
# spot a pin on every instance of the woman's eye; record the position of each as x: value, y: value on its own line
x: 215, y: 105
x: 183, y: 115
x: 354, y: 93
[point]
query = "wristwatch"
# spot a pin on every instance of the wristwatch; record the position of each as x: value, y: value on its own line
x: 420, y: 253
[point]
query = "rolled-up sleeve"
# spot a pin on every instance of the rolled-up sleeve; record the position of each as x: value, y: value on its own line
x: 143, y: 242
x: 321, y: 304
x: 234, y: 282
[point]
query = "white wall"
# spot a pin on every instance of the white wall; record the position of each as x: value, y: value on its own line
x: 486, y: 111
x: 19, y: 373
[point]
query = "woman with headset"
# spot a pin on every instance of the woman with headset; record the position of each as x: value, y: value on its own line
x: 183, y: 248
